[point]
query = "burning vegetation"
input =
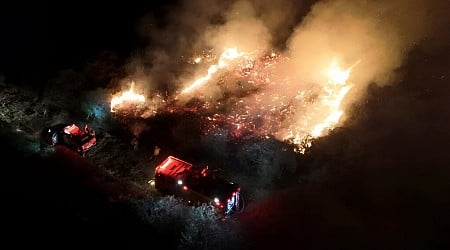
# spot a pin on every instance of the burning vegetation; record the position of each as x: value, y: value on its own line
x: 261, y: 90
x: 244, y: 94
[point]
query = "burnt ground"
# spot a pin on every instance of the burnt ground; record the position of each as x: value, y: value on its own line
x: 379, y: 181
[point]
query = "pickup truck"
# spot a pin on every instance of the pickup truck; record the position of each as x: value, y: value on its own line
x: 69, y: 135
x: 177, y: 177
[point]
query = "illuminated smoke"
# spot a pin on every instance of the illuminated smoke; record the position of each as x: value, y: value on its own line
x: 376, y: 35
x: 285, y: 90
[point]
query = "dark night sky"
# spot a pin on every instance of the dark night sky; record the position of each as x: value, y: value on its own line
x: 41, y: 38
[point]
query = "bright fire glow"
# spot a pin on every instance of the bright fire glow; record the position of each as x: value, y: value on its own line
x: 339, y: 78
x: 336, y: 74
x: 227, y: 56
x: 128, y: 96
x: 329, y: 109
x: 260, y: 100
x: 335, y: 115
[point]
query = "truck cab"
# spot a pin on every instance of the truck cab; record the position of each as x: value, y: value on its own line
x: 195, y: 185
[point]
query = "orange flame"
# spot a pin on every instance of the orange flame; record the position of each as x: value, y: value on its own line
x: 227, y: 56
x: 329, y: 108
x: 127, y: 96
x: 339, y: 78
x: 336, y: 74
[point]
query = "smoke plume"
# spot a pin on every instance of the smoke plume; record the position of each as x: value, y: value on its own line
x: 378, y: 34
x: 372, y: 39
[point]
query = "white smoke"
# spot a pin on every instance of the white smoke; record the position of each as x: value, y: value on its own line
x: 378, y: 34
x: 372, y: 37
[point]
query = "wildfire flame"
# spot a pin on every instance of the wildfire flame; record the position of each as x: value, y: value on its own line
x: 227, y: 56
x: 336, y: 74
x: 334, y: 92
x: 263, y: 102
x: 338, y: 78
x: 127, y: 97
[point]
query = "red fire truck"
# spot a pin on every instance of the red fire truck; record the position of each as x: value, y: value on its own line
x: 195, y: 185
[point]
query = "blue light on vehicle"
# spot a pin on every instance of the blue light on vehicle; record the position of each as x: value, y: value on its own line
x: 96, y: 111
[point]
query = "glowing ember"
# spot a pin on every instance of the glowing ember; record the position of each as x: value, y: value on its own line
x: 265, y: 111
x: 258, y: 99
x: 264, y: 103
x: 126, y: 97
x: 198, y: 60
